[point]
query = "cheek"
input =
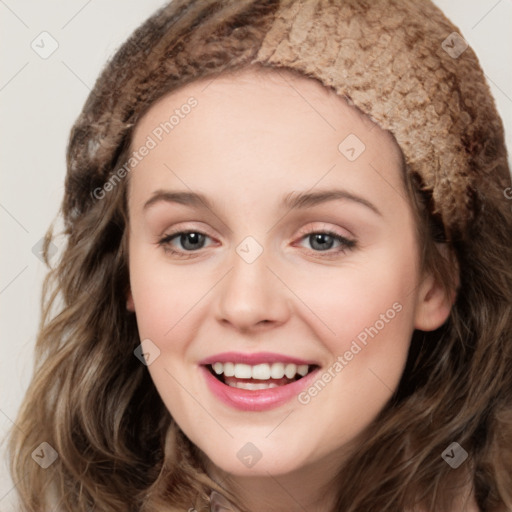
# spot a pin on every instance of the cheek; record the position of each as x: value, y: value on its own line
x: 365, y: 313
x: 371, y: 314
x: 367, y: 319
x: 162, y: 295
x: 166, y: 300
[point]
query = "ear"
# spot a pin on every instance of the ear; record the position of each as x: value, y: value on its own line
x: 130, y: 306
x: 433, y: 306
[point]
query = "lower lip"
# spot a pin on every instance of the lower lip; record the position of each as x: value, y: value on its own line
x: 259, y: 399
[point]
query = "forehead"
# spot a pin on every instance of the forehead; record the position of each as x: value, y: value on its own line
x: 259, y: 126
x: 286, y: 88
x: 257, y: 86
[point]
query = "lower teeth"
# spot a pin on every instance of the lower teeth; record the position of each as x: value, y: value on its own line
x: 251, y: 386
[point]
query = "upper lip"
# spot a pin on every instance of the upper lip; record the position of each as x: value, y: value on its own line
x: 255, y: 358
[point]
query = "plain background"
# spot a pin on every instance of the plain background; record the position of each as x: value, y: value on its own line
x: 41, y: 98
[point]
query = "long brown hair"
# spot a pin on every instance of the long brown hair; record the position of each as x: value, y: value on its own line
x: 94, y: 402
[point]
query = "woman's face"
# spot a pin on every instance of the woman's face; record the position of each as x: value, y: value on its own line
x: 301, y: 247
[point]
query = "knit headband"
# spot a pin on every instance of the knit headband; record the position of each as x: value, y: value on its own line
x: 403, y: 63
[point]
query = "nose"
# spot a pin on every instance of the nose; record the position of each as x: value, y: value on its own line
x: 252, y: 297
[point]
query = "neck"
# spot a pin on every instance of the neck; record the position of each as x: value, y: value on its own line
x: 312, y: 487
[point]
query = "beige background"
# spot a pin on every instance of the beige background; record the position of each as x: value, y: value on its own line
x: 41, y: 98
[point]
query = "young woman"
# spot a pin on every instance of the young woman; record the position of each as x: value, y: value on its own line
x: 287, y: 282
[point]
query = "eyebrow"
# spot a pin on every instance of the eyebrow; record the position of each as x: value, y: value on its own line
x: 293, y: 201
x: 310, y: 199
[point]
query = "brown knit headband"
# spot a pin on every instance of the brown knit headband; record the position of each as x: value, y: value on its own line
x: 402, y: 62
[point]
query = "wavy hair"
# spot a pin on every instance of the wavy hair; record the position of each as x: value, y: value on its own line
x: 93, y: 401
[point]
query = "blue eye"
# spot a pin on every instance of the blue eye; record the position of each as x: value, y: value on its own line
x: 193, y: 241
x: 323, y: 241
x: 189, y: 240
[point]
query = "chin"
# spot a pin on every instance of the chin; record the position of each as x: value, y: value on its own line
x: 244, y: 459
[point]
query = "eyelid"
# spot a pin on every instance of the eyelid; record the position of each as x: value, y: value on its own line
x: 324, y: 228
x: 184, y: 228
x: 347, y: 242
x: 166, y: 237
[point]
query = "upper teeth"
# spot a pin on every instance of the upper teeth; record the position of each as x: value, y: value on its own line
x: 261, y: 371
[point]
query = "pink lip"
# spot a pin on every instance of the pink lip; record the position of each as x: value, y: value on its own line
x: 252, y: 359
x: 256, y: 400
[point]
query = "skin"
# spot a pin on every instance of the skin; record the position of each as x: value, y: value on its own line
x: 253, y: 138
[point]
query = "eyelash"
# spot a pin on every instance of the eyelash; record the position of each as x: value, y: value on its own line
x: 346, y: 243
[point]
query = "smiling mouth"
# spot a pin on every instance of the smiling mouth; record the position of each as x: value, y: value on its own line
x: 261, y: 377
